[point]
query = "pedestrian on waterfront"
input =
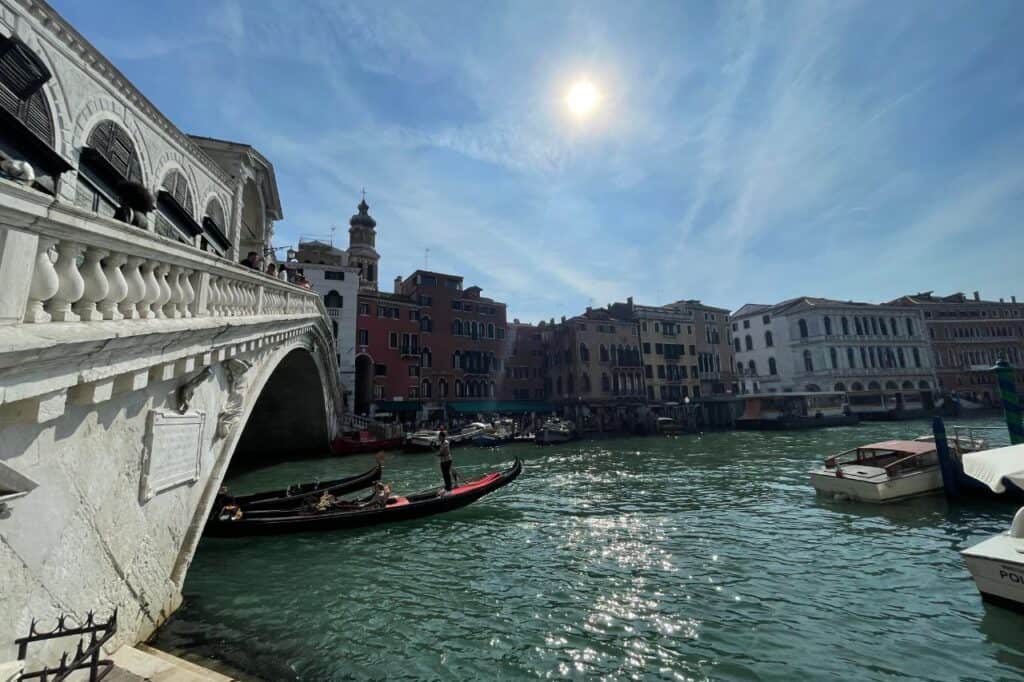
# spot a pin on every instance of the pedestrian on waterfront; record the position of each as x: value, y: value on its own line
x: 444, y: 454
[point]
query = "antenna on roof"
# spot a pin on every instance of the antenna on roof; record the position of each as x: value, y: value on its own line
x: 426, y: 258
x: 364, y: 194
x: 333, y: 228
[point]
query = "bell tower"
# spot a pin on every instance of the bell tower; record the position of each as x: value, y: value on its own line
x: 362, y: 238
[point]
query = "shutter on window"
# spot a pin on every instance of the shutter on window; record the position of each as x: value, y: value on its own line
x: 21, y: 70
x: 37, y: 118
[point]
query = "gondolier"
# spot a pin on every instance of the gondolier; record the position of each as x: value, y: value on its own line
x: 444, y: 454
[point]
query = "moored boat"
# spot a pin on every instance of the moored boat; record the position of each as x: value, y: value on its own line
x: 296, y: 495
x: 555, y: 430
x: 668, y: 425
x: 997, y: 565
x: 784, y: 411
x: 363, y: 441
x: 354, y: 514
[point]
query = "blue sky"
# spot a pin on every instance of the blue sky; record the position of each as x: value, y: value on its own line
x: 747, y: 151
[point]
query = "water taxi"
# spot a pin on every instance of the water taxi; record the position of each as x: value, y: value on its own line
x: 781, y: 411
x: 556, y: 430
x: 997, y: 565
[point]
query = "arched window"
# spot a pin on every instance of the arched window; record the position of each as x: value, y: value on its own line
x: 863, y: 357
x: 752, y: 367
x: 490, y: 330
x: 874, y: 386
x: 772, y: 368
x: 457, y: 327
x: 845, y: 324
x: 426, y: 324
x: 604, y: 353
x: 924, y: 385
x: 585, y: 383
x: 108, y: 160
x: 426, y: 358
x: 917, y: 357
x: 857, y: 325
x: 893, y: 327
x: 901, y: 357
x: 333, y: 299
x: 828, y: 324
x: 474, y: 330
x: 27, y: 132
x: 813, y: 388
x: 769, y: 341
x: 808, y: 362
x: 908, y: 385
x: 736, y: 344
x: 457, y: 360
x: 881, y: 325
x: 840, y: 386
x: 493, y: 389
x: 874, y: 325
x: 425, y: 388
x: 748, y: 342
x: 606, y: 384
x: 891, y: 385
x: 442, y: 387
x: 910, y: 327
x: 175, y: 214
x: 857, y: 386
x: 459, y: 391
x: 584, y: 352
x: 214, y: 238
x: 803, y: 328
x: 833, y: 355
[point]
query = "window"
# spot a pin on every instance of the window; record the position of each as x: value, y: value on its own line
x: 910, y: 327
x: 490, y: 330
x: 772, y: 369
x: 606, y: 384
x: 833, y: 355
x: 901, y: 357
x: 748, y: 342
x: 808, y: 362
x: 457, y: 327
x: 659, y: 349
x: 647, y: 348
x: 661, y: 371
x: 856, y: 322
x: 893, y: 327
x: 414, y: 370
x: 803, y: 328
x: 108, y: 159
x: 850, y: 359
x: 334, y: 274
x: 649, y: 371
x: 917, y: 359
x: 845, y: 324
x: 393, y: 340
x: 380, y: 370
x: 746, y: 324
x: 426, y: 358
x: 175, y: 210
x: 765, y: 319
x: 863, y: 358
x: 584, y: 352
x: 456, y: 360
x: 874, y: 325
x: 736, y: 343
x: 364, y: 337
x: 501, y: 332
x: 426, y: 324
x: 364, y: 308
x: 752, y: 368
x: 828, y: 324
x: 769, y: 341
x: 604, y: 353
x: 333, y: 300
x: 881, y: 325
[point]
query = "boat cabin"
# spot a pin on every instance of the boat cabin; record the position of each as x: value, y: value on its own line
x: 780, y: 405
x: 892, y: 456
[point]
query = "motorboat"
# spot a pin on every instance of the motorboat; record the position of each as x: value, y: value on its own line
x: 362, y: 512
x: 430, y: 439
x: 501, y: 431
x: 884, y: 472
x: 784, y: 411
x: 364, y: 441
x: 297, y: 495
x: 997, y: 565
x: 556, y: 430
x: 668, y: 425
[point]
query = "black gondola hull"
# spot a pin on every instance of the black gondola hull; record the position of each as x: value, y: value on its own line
x: 281, y: 499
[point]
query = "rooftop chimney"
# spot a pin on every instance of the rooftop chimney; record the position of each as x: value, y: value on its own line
x: 515, y: 320
x: 629, y: 300
x: 1013, y: 299
x: 977, y: 296
x: 563, y: 319
x: 1001, y: 300
x: 398, y: 285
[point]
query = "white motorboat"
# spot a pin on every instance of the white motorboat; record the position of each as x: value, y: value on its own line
x: 884, y: 472
x: 556, y: 430
x: 428, y: 439
x: 997, y: 565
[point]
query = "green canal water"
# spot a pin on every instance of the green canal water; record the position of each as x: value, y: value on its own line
x: 648, y: 558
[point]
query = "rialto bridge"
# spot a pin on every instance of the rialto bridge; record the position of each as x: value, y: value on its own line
x: 137, y: 357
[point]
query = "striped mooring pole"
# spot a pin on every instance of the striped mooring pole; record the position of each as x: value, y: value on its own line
x: 1006, y: 379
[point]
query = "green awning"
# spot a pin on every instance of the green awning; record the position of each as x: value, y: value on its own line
x: 500, y: 406
x: 398, y: 406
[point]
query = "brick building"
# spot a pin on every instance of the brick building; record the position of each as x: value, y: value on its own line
x: 967, y: 335
x: 388, y: 354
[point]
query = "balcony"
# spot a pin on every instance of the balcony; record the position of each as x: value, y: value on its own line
x: 869, y: 372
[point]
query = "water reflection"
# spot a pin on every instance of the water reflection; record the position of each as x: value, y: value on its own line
x: 675, y: 558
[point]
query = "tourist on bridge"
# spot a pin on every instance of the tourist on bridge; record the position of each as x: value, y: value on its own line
x: 252, y: 260
x: 444, y: 454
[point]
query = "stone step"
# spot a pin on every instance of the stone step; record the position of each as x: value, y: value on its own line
x: 144, y: 663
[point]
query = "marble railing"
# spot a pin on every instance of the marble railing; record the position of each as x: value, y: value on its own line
x: 66, y: 265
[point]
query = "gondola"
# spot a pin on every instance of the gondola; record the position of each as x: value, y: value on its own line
x: 294, y: 496
x: 351, y: 515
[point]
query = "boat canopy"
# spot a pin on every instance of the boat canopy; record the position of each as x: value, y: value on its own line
x: 992, y: 467
x: 911, y: 447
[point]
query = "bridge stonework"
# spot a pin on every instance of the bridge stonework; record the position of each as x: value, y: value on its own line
x: 116, y: 482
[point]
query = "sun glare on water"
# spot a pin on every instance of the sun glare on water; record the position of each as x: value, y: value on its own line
x: 582, y: 98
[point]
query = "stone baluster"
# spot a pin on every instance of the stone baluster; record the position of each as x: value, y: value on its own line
x: 130, y: 304
x: 71, y: 285
x: 213, y: 296
x: 96, y: 286
x: 44, y: 282
x: 188, y: 294
x: 225, y: 296
x: 165, y: 290
x: 172, y: 308
x: 236, y: 298
x: 251, y: 296
x: 152, y: 291
x: 117, y: 289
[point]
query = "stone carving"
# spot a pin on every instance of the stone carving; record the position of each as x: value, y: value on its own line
x: 231, y: 415
x: 188, y: 389
x: 174, y: 451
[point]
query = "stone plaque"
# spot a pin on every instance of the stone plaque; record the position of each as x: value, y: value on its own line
x: 174, y: 451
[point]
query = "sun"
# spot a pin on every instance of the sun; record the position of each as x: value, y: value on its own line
x: 582, y: 98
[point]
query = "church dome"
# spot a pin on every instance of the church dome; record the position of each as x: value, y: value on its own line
x: 362, y: 219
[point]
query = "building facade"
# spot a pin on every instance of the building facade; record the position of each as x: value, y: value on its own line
x: 388, y: 353
x: 967, y: 336
x: 816, y: 344
x: 328, y: 272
